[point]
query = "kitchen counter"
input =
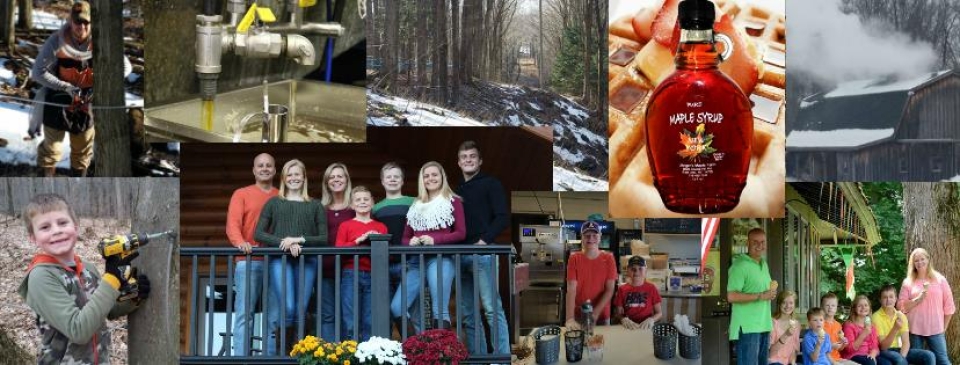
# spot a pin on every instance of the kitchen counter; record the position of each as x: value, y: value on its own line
x: 680, y: 294
x: 621, y: 346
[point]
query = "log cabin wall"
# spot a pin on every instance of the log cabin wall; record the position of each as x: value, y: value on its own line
x: 933, y: 111
x: 521, y: 158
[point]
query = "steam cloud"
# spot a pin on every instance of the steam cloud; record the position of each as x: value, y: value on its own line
x: 835, y: 47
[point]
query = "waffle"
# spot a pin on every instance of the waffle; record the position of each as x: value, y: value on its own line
x: 636, y: 66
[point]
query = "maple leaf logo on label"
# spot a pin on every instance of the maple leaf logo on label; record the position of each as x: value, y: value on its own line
x: 695, y: 145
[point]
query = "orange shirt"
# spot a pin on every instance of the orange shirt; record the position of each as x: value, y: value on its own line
x: 591, y: 277
x: 243, y: 213
x: 835, y: 329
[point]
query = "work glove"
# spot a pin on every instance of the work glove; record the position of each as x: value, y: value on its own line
x: 74, y: 91
x: 647, y: 324
x: 628, y: 324
x: 114, y: 266
x: 134, y: 286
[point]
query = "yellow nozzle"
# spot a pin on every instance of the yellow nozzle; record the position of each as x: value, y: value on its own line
x: 307, y: 3
x: 264, y: 14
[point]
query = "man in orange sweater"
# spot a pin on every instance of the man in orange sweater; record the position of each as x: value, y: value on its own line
x: 242, y: 216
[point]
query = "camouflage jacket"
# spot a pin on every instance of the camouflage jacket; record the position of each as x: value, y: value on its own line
x: 72, y: 305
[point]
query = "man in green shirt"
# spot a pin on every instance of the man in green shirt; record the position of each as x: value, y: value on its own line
x: 750, y: 290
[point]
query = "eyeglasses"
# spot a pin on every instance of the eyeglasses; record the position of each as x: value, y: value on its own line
x: 81, y: 22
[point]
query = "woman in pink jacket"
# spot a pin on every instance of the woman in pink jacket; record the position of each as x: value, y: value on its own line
x: 926, y: 299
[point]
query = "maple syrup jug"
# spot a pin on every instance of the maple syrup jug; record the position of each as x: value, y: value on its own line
x: 699, y: 126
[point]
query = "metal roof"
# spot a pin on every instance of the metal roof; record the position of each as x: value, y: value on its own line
x: 868, y: 106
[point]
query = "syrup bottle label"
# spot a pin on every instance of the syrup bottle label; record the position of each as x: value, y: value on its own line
x: 698, y: 157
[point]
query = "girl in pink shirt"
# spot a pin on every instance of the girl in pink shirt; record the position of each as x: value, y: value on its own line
x: 785, y: 337
x: 926, y: 299
x: 864, y: 345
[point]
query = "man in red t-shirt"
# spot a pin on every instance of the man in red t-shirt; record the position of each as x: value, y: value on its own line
x: 591, y: 275
x: 637, y: 302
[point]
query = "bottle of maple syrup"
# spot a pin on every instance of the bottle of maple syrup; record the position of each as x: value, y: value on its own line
x: 699, y: 124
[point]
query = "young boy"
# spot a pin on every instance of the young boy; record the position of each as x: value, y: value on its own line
x: 637, y: 301
x: 71, y: 299
x: 894, y: 332
x: 816, y: 343
x: 353, y: 233
x: 829, y: 302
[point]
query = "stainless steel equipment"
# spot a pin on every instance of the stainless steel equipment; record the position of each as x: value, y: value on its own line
x: 543, y: 248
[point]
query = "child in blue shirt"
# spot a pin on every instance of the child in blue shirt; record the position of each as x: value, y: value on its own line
x: 816, y: 345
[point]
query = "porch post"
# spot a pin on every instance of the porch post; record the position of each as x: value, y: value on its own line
x: 380, y: 285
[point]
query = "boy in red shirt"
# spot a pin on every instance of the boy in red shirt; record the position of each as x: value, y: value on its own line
x: 637, y: 301
x: 351, y: 233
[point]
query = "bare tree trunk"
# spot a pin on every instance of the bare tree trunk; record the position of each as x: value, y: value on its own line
x: 932, y: 221
x: 421, y: 54
x: 154, y: 328
x: 390, y: 47
x: 7, y: 29
x: 455, y: 54
x: 26, y: 14
x: 112, y: 140
x: 440, y: 66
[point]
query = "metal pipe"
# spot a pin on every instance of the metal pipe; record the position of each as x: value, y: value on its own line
x: 236, y: 9
x: 208, y: 49
x: 300, y: 49
x: 326, y: 29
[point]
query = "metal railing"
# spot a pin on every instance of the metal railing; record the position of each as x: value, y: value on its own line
x: 206, y: 307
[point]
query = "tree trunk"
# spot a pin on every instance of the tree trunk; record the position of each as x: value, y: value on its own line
x: 421, y: 55
x: 455, y: 54
x: 931, y: 221
x: 154, y: 331
x: 440, y: 65
x: 7, y: 29
x: 26, y: 14
x: 390, y: 46
x: 112, y: 140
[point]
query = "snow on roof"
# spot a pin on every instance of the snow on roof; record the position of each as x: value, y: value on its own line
x: 877, y: 86
x: 839, y: 138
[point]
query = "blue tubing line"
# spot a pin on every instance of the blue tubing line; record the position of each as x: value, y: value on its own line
x: 329, y: 49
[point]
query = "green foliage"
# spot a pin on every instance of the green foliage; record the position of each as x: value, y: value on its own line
x: 889, y: 263
x: 567, y: 74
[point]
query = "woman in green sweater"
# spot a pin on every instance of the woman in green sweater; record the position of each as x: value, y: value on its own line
x: 290, y: 221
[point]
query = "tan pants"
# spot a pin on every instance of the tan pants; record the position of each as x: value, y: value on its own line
x: 51, y: 149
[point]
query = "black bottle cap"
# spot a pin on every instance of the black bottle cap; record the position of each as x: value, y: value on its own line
x: 696, y: 14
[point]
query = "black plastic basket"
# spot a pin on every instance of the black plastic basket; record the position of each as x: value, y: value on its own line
x: 664, y: 341
x: 548, y: 351
x: 690, y: 345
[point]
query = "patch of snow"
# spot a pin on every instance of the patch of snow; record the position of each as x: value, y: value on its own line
x: 6, y: 76
x: 566, y: 180
x: 133, y: 101
x: 864, y: 87
x: 572, y: 109
x: 514, y: 120
x: 953, y: 179
x: 837, y: 138
x: 535, y: 106
x: 567, y: 156
x: 45, y: 20
x: 420, y: 114
x: 16, y: 120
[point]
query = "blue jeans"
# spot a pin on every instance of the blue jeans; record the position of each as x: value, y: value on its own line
x: 412, y: 290
x: 346, y: 299
x: 440, y: 288
x: 914, y: 356
x: 243, y: 316
x: 936, y: 343
x: 284, y: 285
x: 328, y: 307
x: 753, y: 348
x: 863, y: 360
x: 489, y: 299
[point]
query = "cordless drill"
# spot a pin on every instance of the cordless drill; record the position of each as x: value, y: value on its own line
x: 126, y: 247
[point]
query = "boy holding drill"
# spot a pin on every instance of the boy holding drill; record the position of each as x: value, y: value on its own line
x: 72, y: 300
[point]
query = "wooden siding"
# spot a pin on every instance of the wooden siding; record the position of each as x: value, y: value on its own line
x: 933, y: 112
